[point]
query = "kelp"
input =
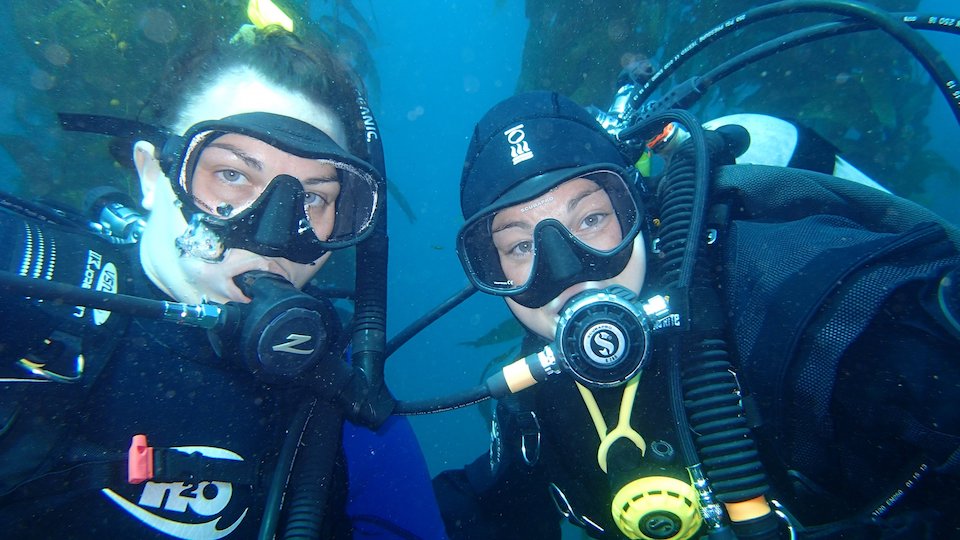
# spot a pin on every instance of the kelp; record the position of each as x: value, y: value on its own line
x: 862, y: 92
x: 106, y: 56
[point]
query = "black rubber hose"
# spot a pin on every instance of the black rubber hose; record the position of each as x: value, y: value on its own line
x: 281, y: 472
x: 445, y: 403
x: 780, y: 44
x: 727, y: 450
x: 369, y: 402
x: 311, y: 476
x: 810, y: 34
x: 701, y: 377
x: 134, y: 306
x: 369, y: 323
x: 426, y: 320
x: 681, y: 216
x: 899, y: 30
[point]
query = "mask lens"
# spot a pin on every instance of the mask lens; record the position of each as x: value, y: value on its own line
x: 597, y: 213
x: 225, y: 175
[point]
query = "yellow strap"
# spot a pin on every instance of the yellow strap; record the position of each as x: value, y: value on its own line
x: 622, y: 429
x: 594, y: 410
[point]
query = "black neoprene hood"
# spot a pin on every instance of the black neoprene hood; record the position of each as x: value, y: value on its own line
x: 528, y: 144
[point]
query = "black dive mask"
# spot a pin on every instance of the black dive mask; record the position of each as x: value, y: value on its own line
x: 274, y: 226
x: 551, y: 234
x: 230, y: 200
x: 563, y: 261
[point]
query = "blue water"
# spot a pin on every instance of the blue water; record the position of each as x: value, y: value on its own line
x: 441, y: 65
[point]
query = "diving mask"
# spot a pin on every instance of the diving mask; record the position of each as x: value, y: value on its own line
x: 533, y: 249
x: 230, y: 202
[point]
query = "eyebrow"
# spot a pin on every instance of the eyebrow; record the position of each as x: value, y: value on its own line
x: 570, y: 206
x: 243, y: 156
x: 583, y: 195
x: 322, y: 179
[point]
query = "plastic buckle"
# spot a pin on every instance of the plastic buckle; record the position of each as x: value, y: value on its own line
x: 139, y: 460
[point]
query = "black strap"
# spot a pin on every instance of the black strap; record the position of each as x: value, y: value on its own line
x: 113, y: 126
x: 170, y: 465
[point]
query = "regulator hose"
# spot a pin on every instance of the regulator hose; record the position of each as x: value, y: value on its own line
x: 366, y: 399
x: 699, y: 367
x: 310, y: 479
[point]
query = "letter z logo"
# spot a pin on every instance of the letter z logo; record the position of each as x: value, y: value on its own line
x: 290, y: 346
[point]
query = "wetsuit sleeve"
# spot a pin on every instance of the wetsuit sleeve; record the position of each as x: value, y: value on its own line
x: 389, y: 492
x: 479, y: 505
x: 498, y: 496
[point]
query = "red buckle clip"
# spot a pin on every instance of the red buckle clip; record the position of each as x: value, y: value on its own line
x: 139, y: 460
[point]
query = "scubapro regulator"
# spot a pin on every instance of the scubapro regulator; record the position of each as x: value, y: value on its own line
x: 603, y: 338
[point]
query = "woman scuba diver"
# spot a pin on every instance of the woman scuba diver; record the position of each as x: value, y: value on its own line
x: 260, y: 170
x: 640, y: 421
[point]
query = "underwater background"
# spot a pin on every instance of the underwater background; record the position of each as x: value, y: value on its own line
x: 432, y: 69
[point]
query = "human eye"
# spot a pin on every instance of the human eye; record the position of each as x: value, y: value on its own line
x: 316, y: 200
x: 230, y: 176
x: 321, y: 194
x: 594, y: 220
x: 521, y: 249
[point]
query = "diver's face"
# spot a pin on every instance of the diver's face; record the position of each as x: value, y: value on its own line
x: 580, y: 205
x: 583, y: 208
x: 238, y: 164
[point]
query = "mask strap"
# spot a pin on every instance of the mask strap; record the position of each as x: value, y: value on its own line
x: 622, y: 429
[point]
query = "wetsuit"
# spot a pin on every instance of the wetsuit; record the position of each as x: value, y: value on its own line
x: 848, y: 374
x: 62, y: 441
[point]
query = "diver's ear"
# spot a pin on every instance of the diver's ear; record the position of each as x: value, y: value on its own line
x: 148, y: 169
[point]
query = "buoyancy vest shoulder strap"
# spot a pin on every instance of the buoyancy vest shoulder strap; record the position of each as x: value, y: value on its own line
x: 97, y: 469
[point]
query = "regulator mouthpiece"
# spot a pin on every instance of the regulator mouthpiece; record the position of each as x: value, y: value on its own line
x: 283, y: 334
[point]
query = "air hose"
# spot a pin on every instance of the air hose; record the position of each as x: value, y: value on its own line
x: 701, y: 375
x: 898, y: 29
x: 365, y: 399
x: 370, y: 311
x: 311, y: 477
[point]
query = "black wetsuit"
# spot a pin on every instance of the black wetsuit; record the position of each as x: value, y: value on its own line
x: 849, y: 377
x: 64, y: 445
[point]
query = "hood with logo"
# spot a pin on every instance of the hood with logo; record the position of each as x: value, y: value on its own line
x: 528, y: 144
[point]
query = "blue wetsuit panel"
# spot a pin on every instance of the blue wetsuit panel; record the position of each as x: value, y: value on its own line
x: 390, y: 493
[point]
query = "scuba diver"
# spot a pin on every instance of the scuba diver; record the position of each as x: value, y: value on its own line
x: 772, y: 357
x: 122, y: 426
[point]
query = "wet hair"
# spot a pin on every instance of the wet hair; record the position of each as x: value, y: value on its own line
x: 306, y: 65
